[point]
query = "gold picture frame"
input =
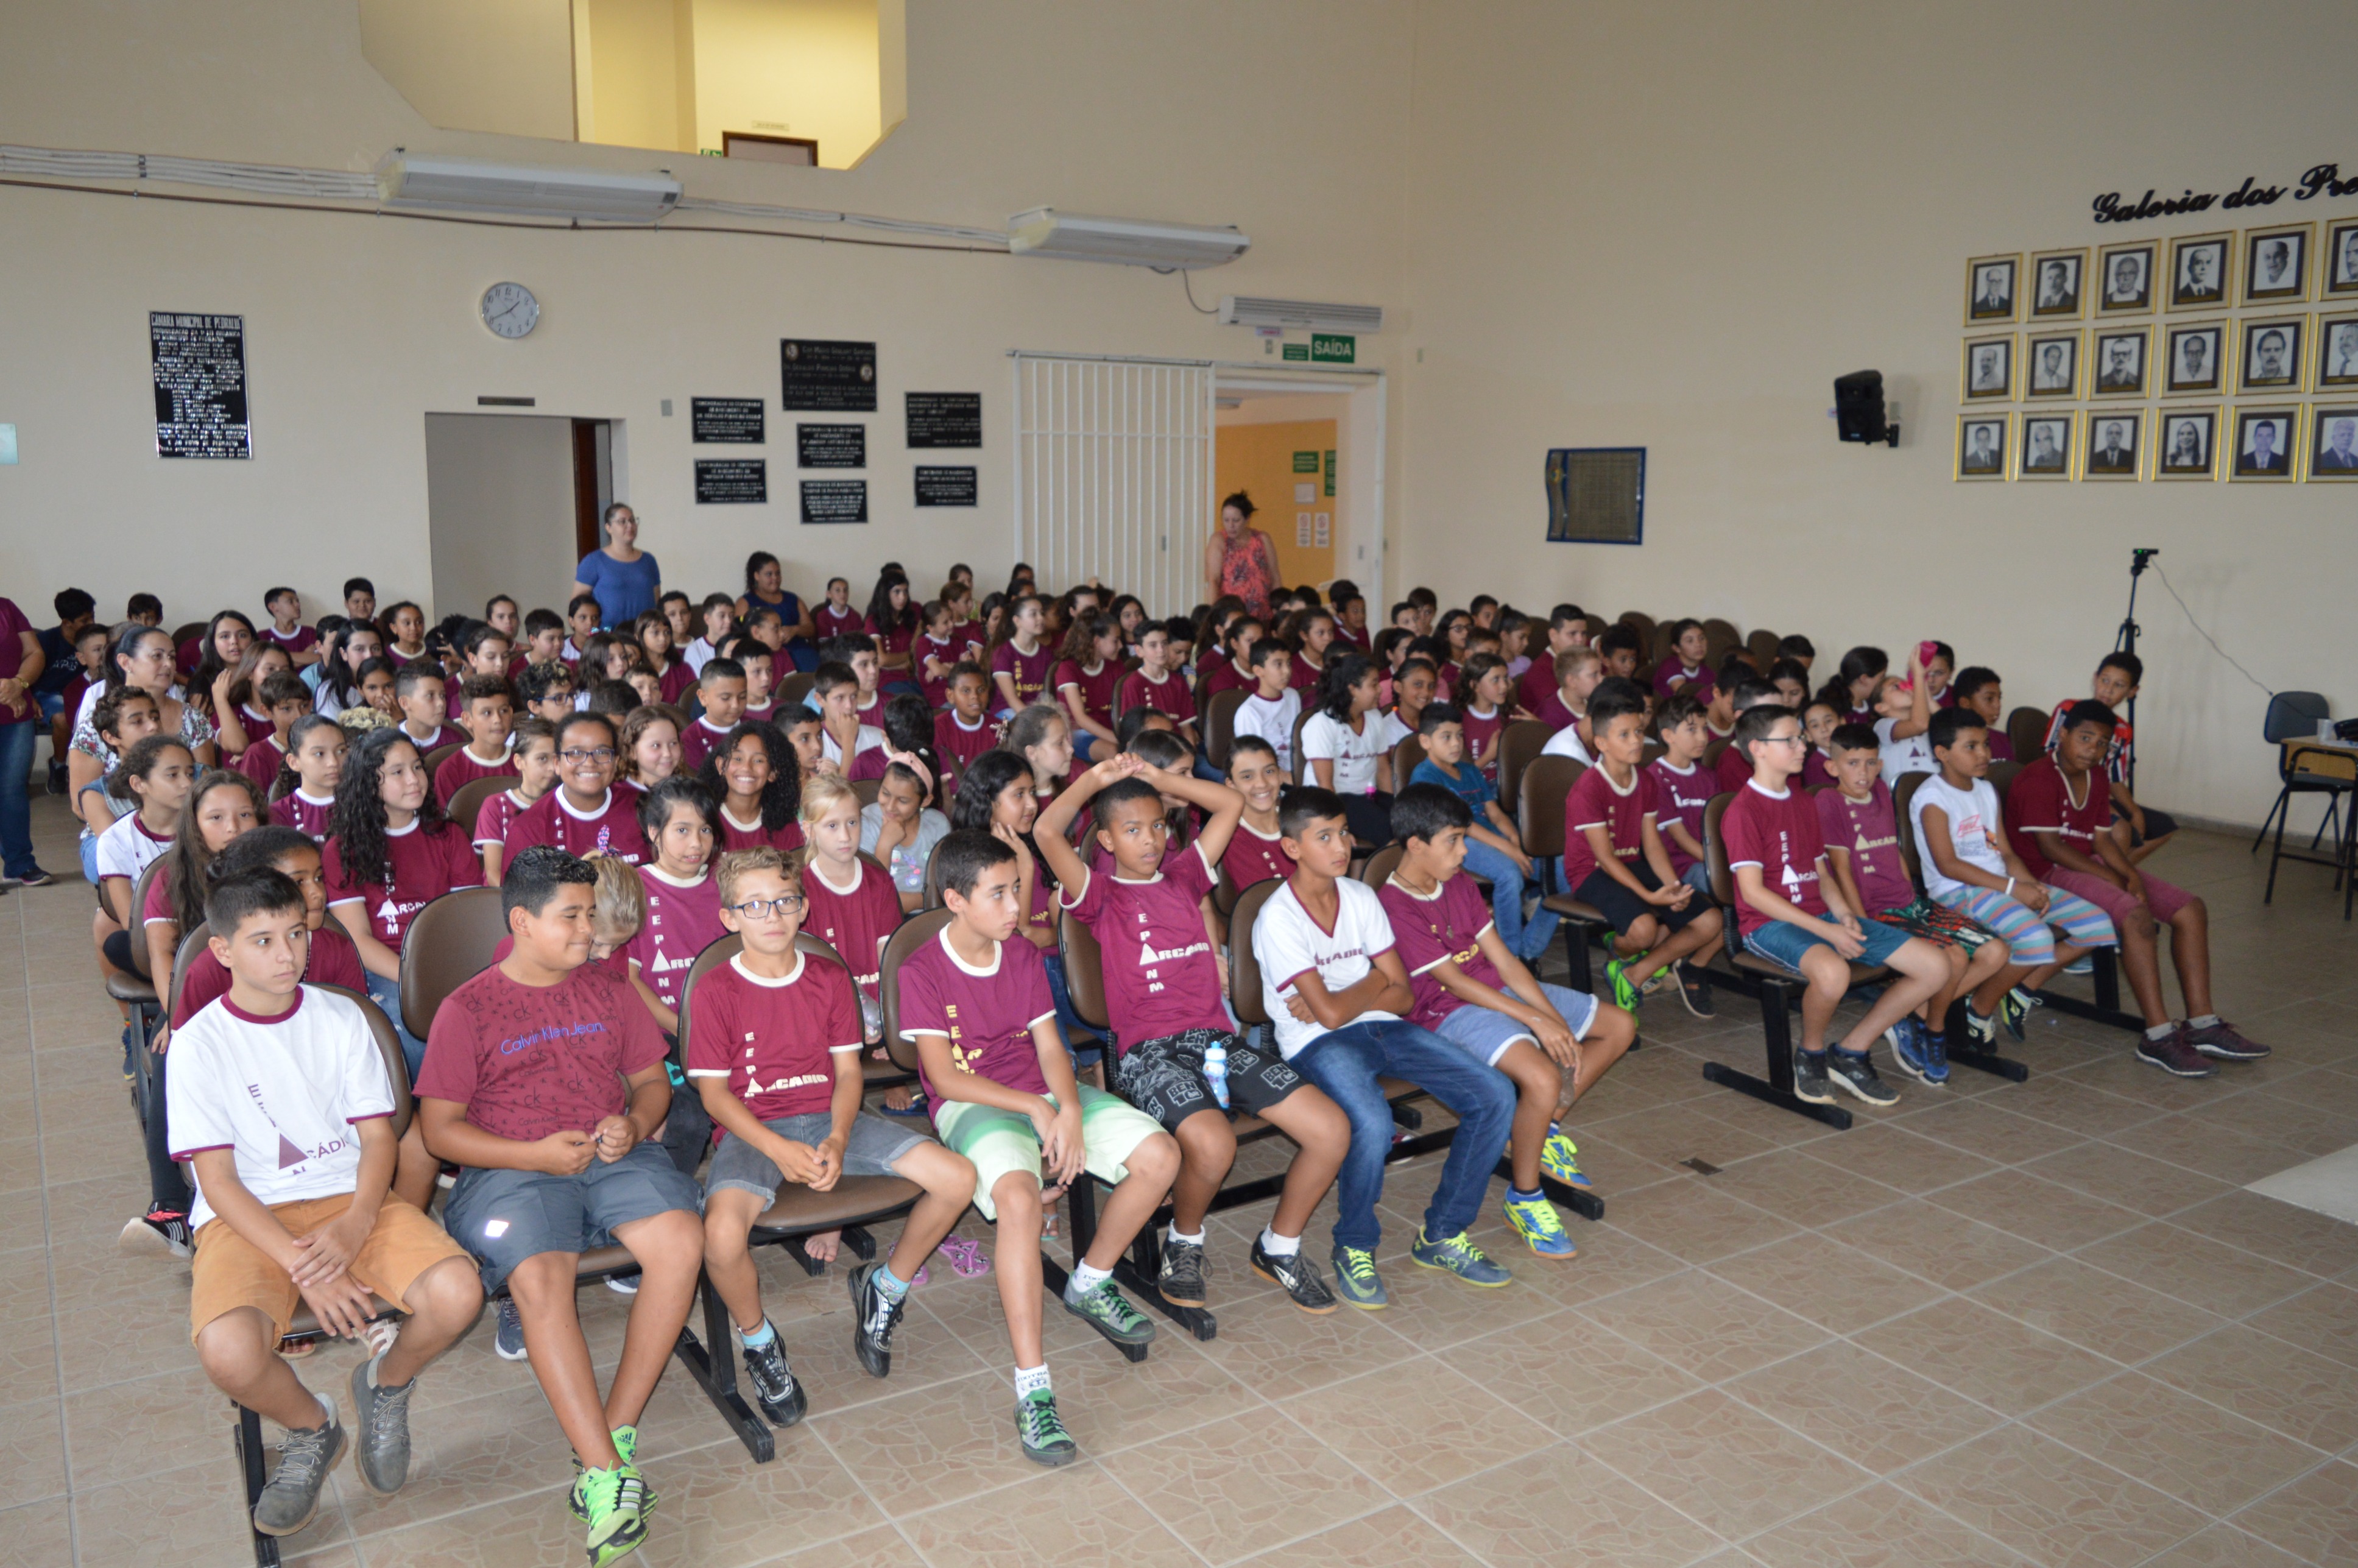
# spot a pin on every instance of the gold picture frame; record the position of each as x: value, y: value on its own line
x: 2337, y: 263
x: 2333, y: 443
x: 1978, y: 459
x: 2117, y: 295
x: 1986, y: 371
x: 1993, y: 290
x: 2186, y: 444
x: 2194, y: 358
x: 2201, y: 272
x: 2253, y: 433
x: 2337, y: 351
x: 2273, y: 356
x: 2051, y: 362
x: 2120, y: 362
x: 2049, y: 447
x: 2098, y: 461
x: 2276, y: 263
x: 2059, y: 284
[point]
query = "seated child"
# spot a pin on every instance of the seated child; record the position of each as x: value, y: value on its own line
x: 2140, y: 832
x: 1001, y: 1083
x: 1271, y: 710
x: 1903, y: 714
x: 270, y: 1069
x: 1791, y: 683
x: 543, y: 643
x: 1086, y: 680
x: 1970, y: 867
x: 1978, y: 688
x: 484, y: 651
x: 1153, y: 686
x: 751, y: 773
x: 1684, y: 670
x: 418, y: 691
x: 316, y: 745
x: 286, y: 700
x: 545, y: 1081
x: 901, y: 828
x: 1941, y: 674
x: 1613, y: 861
x: 1619, y: 649
x: 1732, y: 771
x: 1473, y: 991
x: 157, y: 777
x: 857, y: 651
x: 1799, y: 649
x: 2062, y: 809
x: 532, y: 753
x: 1567, y: 629
x: 487, y: 713
x: 720, y: 687
x: 760, y: 665
x: 774, y: 1050
x: 1573, y: 675
x: 718, y: 614
x: 1686, y: 789
x: 849, y: 909
x: 855, y: 747
x: 547, y: 690
x: 1861, y: 829
x: 1338, y: 996
x: 586, y: 814
x: 1494, y: 844
x: 1820, y: 719
x: 1343, y: 749
x: 1257, y: 851
x: 1789, y: 912
x: 678, y: 817
x: 1483, y: 693
x: 962, y: 734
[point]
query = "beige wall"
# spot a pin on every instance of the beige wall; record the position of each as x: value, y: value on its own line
x: 499, y: 502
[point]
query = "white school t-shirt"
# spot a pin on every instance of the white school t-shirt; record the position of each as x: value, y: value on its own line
x: 1901, y: 757
x: 1288, y: 944
x: 1565, y: 743
x: 1971, y: 814
x: 1272, y: 721
x: 1353, y: 752
x: 128, y: 848
x: 283, y: 1093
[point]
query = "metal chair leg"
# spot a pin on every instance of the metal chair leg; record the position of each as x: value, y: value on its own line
x: 2284, y: 798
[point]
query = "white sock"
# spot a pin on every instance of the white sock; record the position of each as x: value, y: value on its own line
x: 1173, y: 1233
x: 1086, y: 1279
x: 2205, y: 1022
x: 1031, y: 1380
x: 1278, y: 1246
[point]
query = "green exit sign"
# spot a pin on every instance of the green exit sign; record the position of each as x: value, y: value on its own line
x: 1306, y: 462
x: 1334, y: 348
x: 1296, y: 351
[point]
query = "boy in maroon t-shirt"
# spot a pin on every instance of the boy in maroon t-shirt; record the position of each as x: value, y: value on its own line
x: 544, y: 1079
x: 1164, y: 986
x: 962, y: 734
x: 1686, y: 788
x: 1790, y: 913
x: 1152, y: 686
x: 1567, y: 629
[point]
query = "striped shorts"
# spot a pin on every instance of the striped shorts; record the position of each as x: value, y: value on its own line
x: 2030, y: 935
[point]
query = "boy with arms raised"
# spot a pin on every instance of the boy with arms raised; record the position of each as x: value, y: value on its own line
x: 1476, y: 992
x: 1334, y: 985
x: 995, y: 1070
x: 279, y: 1100
x: 1791, y: 913
x: 774, y: 1048
x: 1163, y: 994
x: 545, y: 1079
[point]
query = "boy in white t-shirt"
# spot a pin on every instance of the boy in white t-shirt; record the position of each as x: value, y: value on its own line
x: 1339, y: 995
x: 1274, y: 706
x: 279, y: 1099
x: 1969, y: 867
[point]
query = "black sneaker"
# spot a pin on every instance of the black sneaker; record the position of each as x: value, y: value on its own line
x: 1810, y: 1077
x: 1695, y: 989
x: 774, y: 1387
x: 1300, y: 1276
x: 873, y: 1313
x: 508, y: 1341
x: 57, y: 781
x: 1181, y: 1278
x: 1854, y: 1075
x: 36, y: 878
x: 158, y: 1232
x: 2223, y: 1041
x: 2173, y: 1055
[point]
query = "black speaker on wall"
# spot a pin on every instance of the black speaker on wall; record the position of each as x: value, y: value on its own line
x: 1859, y: 408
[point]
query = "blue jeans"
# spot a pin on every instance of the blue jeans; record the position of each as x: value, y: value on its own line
x: 1347, y: 1062
x: 387, y: 994
x: 1526, y: 941
x: 15, y: 806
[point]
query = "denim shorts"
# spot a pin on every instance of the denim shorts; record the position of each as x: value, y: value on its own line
x: 1485, y: 1035
x: 506, y: 1217
x: 1784, y: 944
x: 872, y: 1148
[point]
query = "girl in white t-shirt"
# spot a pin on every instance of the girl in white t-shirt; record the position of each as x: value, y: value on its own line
x: 1342, y: 748
x: 157, y: 773
x: 1903, y: 711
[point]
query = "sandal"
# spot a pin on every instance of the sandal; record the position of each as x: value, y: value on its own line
x: 965, y: 1257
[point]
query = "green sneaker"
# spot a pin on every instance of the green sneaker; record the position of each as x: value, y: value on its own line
x: 1041, y: 1432
x: 1625, y: 995
x: 1458, y: 1256
x: 1560, y: 1158
x: 1106, y: 1310
x: 614, y: 1504
x: 1542, y: 1228
x: 626, y: 1446
x: 1355, y: 1279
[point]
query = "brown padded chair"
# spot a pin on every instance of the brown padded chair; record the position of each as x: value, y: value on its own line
x: 1762, y: 646
x: 187, y: 633
x: 1720, y: 638
x: 1642, y: 623
x: 864, y: 791
x: 1405, y: 757
x: 1381, y: 865
x: 450, y: 942
x: 467, y: 804
x: 1519, y: 743
x: 437, y: 757
x: 1301, y: 774
x: 136, y: 925
x: 2027, y: 728
x: 912, y: 934
x: 1713, y: 749
x: 791, y: 691
x: 1538, y: 820
x: 1220, y: 725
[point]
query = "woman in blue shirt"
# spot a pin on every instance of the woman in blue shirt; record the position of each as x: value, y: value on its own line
x: 623, y: 579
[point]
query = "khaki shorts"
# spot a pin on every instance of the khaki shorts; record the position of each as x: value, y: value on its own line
x: 231, y: 1272
x: 1001, y: 1142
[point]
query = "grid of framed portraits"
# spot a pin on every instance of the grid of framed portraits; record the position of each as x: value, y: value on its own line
x: 2108, y: 397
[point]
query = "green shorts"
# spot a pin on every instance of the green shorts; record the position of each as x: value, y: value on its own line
x: 1001, y: 1141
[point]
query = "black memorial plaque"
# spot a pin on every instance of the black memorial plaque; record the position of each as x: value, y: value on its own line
x: 731, y: 482
x: 945, y: 419
x: 835, y: 499
x: 946, y: 487
x: 727, y: 421
x: 200, y: 369
x: 829, y: 376
x: 831, y: 446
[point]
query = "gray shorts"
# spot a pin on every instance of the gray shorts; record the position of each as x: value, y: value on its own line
x: 870, y: 1149
x: 505, y: 1216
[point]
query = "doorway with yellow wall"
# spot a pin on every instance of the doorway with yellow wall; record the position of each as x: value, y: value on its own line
x: 1291, y: 471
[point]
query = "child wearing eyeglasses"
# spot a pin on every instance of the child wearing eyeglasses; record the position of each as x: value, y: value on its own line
x: 586, y: 814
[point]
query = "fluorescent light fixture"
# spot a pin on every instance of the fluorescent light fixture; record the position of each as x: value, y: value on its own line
x: 1131, y: 241
x: 406, y: 179
x: 1244, y: 310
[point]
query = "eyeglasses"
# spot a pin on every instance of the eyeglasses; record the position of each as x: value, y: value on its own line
x: 591, y: 754
x: 762, y: 908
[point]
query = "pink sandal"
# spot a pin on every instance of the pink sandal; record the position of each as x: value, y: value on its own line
x: 965, y: 1257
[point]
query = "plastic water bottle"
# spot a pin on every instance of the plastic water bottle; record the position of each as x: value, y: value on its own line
x: 1216, y: 1071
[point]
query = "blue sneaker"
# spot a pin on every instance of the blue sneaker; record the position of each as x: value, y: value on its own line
x: 1936, y: 1057
x: 1909, y: 1049
x: 1355, y: 1279
x: 1457, y: 1255
x: 2085, y: 964
x: 1542, y: 1228
x: 509, y: 1342
x: 1560, y: 1158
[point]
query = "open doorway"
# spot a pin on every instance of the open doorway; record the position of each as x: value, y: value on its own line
x: 1308, y: 449
x: 511, y: 500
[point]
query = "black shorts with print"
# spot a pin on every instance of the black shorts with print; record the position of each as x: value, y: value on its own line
x: 1164, y: 1077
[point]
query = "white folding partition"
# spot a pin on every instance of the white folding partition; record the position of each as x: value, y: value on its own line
x: 1113, y: 473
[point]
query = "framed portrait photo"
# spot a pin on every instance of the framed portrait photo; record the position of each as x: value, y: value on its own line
x: 2339, y: 268
x: 2337, y: 351
x: 2120, y: 362
x: 2199, y: 269
x: 2115, y: 444
x: 2046, y: 449
x: 2186, y: 443
x: 1991, y: 285
x: 2193, y: 355
x: 2275, y: 264
x: 2272, y: 354
x: 2052, y: 364
x: 2333, y: 441
x: 2124, y: 278
x: 2261, y: 443
x: 1982, y: 445
x: 1988, y: 370
x: 2056, y: 283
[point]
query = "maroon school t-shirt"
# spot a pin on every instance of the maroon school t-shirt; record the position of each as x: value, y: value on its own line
x: 462, y: 768
x: 697, y: 742
x: 1734, y: 771
x: 528, y: 1061
x: 736, y: 835
x: 298, y: 810
x: 1224, y: 676
x: 683, y: 920
x: 611, y: 830
x: 1779, y: 834
x: 1685, y: 795
x: 1593, y: 802
x: 774, y: 1040
x: 1538, y: 686
x: 1252, y: 859
x: 1868, y: 831
x: 2040, y: 801
x: 828, y: 622
x: 1097, y: 688
x: 1162, y: 975
x: 421, y: 866
x: 1168, y: 697
x: 987, y: 1015
x: 1445, y: 928
x: 959, y: 746
x: 335, y: 962
x: 1030, y: 672
x: 854, y: 921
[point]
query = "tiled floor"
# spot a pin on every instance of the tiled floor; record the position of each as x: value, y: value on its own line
x: 2000, y: 1324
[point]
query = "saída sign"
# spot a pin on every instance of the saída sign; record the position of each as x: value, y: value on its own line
x: 2324, y: 179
